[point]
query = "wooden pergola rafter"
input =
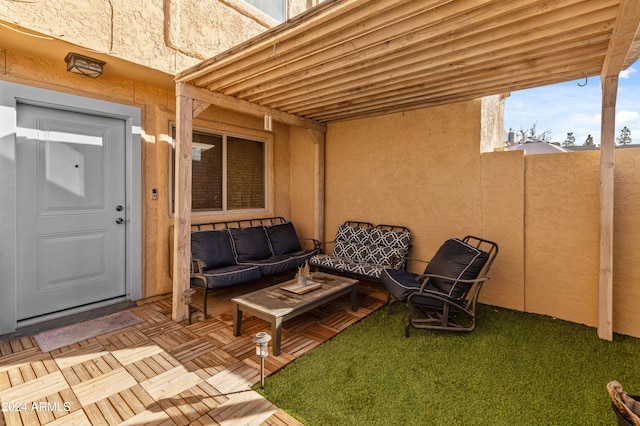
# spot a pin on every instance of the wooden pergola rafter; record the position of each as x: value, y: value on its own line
x: 349, y: 59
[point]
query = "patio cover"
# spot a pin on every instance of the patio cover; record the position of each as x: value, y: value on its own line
x: 348, y: 59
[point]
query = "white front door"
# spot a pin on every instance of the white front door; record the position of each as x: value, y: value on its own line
x: 71, y: 248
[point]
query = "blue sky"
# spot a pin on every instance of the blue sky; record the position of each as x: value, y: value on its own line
x: 567, y: 107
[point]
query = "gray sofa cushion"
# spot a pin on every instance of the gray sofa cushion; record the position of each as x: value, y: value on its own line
x: 213, y: 247
x: 250, y: 243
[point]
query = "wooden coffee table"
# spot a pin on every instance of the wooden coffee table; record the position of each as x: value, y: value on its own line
x: 276, y: 305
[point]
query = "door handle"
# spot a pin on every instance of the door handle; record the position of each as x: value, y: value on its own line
x: 119, y: 221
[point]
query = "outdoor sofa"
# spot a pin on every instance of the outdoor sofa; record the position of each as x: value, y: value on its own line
x: 363, y: 250
x: 232, y: 253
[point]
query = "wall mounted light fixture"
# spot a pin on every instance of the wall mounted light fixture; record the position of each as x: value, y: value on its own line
x: 84, y: 65
x: 268, y: 126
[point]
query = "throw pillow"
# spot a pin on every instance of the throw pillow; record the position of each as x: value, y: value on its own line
x: 283, y: 238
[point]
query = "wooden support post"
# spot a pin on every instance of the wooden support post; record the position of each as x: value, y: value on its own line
x: 607, y: 169
x: 318, y: 211
x: 182, y: 197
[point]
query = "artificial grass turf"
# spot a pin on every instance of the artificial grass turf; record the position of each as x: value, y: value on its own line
x: 514, y: 368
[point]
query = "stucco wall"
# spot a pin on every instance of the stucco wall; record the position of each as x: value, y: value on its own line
x: 626, y: 247
x: 158, y: 110
x: 165, y: 35
x: 301, y: 167
x: 562, y: 235
x: 420, y: 169
x: 503, y: 218
x: 415, y: 170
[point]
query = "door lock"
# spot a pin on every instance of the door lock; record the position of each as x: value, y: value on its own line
x: 119, y: 221
x: 118, y: 208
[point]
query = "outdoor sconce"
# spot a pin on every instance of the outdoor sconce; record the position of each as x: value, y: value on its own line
x: 268, y: 124
x: 262, y: 350
x: 188, y: 300
x: 84, y: 65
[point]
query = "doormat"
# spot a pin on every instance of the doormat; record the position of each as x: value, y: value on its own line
x: 65, y: 336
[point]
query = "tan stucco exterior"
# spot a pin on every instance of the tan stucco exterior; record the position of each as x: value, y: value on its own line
x: 431, y: 170
x: 166, y: 36
x: 414, y: 169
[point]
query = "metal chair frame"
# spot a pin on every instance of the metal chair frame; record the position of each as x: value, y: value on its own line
x: 442, y: 311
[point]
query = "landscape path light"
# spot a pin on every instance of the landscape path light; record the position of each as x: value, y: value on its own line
x: 262, y: 350
x: 188, y: 300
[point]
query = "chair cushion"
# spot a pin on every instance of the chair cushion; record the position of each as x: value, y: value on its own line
x: 281, y: 263
x: 250, y: 243
x: 457, y: 260
x: 213, y: 247
x: 353, y: 234
x: 229, y: 275
x: 283, y: 238
x: 400, y: 283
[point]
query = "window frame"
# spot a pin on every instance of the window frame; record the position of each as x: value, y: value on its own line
x: 285, y: 7
x: 228, y: 131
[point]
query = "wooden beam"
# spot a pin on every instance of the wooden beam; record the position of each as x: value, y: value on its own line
x: 318, y: 190
x: 318, y: 16
x: 441, y: 80
x: 607, y: 175
x: 376, y: 23
x: 513, y: 27
x: 199, y: 107
x: 228, y: 102
x: 627, y: 24
x: 422, y: 60
x: 182, y: 197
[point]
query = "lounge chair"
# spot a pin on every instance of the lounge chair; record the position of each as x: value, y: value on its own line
x: 447, y: 292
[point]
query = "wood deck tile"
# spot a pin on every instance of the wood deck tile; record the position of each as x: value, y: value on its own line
x: 35, y: 389
x: 77, y: 418
x: 180, y: 412
x: 239, y: 377
x: 130, y: 355
x: 244, y: 408
x: 157, y: 329
x: 94, y: 415
x: 153, y: 416
x: 297, y: 345
x: 281, y: 418
x: 79, y: 355
x: 242, y: 347
x: 170, y: 339
x: 211, y: 363
x: 22, y: 358
x: 98, y: 388
x: 163, y: 372
x: 170, y: 383
x: 205, y: 420
x: 203, y: 328
x: 124, y: 339
x: 191, y: 349
x: 319, y: 332
x: 149, y: 314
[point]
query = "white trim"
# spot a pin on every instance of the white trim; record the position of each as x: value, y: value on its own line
x: 254, y: 13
